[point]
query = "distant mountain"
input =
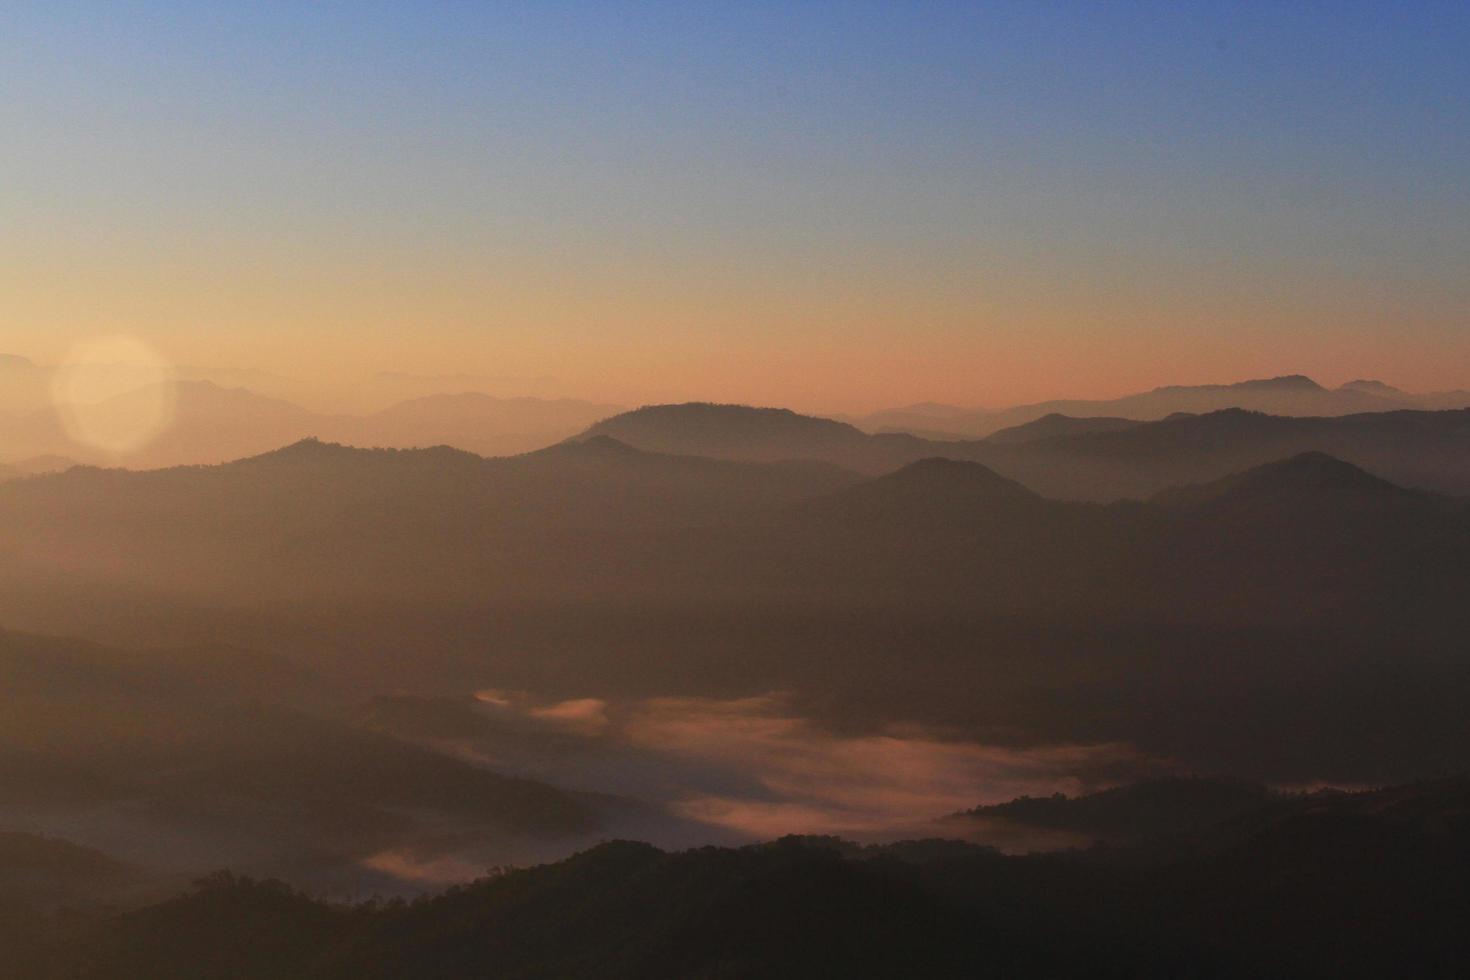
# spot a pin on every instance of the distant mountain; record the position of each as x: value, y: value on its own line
x: 215, y: 424
x: 327, y: 518
x: 1053, y: 426
x: 1072, y: 460
x: 476, y: 422
x: 1313, y: 476
x: 945, y: 590
x: 44, y: 464
x: 210, y: 424
x: 942, y: 493
x: 1429, y: 450
x: 25, y: 386
x: 731, y: 432
x: 1293, y: 395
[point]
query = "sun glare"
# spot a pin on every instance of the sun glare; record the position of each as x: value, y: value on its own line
x: 115, y: 394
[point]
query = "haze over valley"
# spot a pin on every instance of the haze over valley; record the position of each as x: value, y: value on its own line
x: 661, y: 491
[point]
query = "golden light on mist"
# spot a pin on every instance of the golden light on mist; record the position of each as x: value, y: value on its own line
x: 115, y: 394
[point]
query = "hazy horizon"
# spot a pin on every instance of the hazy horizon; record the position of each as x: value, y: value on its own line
x: 832, y: 209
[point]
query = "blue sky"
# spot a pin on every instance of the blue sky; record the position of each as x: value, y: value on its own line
x: 772, y: 180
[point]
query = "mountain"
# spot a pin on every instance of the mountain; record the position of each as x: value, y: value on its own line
x: 730, y: 432
x: 1429, y: 450
x: 1055, y: 425
x: 1293, y: 395
x: 940, y: 494
x: 211, y: 423
x: 325, y: 518
x: 25, y: 386
x: 944, y: 591
x: 1276, y: 895
x: 475, y: 422
x: 1081, y: 462
x: 1137, y: 812
x: 207, y: 424
x: 173, y: 767
x: 1314, y: 477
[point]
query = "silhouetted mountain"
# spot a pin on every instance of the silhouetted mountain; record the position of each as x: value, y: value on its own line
x: 213, y: 424
x: 475, y: 422
x: 1280, y: 895
x: 1051, y: 426
x: 1294, y: 395
x: 730, y: 432
x: 1158, y: 808
x: 1373, y: 388
x: 943, y: 591
x: 1421, y: 449
x: 1314, y: 477
x: 941, y: 495
x: 319, y: 516
x: 1430, y: 450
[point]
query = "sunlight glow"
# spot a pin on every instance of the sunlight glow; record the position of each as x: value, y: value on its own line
x: 115, y: 394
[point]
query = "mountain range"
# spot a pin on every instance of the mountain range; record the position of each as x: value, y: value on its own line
x: 214, y: 424
x: 1288, y: 395
x: 1079, y: 459
x: 942, y: 590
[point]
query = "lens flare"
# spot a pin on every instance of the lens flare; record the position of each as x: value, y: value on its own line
x: 115, y: 394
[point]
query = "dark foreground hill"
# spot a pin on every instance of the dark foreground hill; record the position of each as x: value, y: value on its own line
x: 1330, y: 885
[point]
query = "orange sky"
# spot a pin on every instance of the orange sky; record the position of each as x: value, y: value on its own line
x: 836, y: 209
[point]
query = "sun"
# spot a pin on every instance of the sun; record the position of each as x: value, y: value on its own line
x: 115, y: 394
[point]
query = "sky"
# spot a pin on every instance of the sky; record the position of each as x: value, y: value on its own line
x: 830, y: 206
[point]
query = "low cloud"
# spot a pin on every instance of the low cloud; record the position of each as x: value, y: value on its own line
x: 802, y: 778
x: 757, y: 767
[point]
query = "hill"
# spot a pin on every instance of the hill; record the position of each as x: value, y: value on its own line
x: 475, y: 422
x: 943, y: 591
x: 1054, y: 425
x: 1135, y: 813
x: 1273, y: 898
x: 171, y: 765
x: 1083, y: 462
x: 1292, y: 395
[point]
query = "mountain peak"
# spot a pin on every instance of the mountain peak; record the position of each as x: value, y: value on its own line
x: 1286, y: 382
x: 1368, y: 386
x: 726, y: 431
x: 1306, y: 475
x: 593, y: 447
x: 943, y: 489
x: 1055, y: 424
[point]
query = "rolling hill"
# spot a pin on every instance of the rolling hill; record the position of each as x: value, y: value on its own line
x: 1430, y: 450
x: 1294, y: 395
